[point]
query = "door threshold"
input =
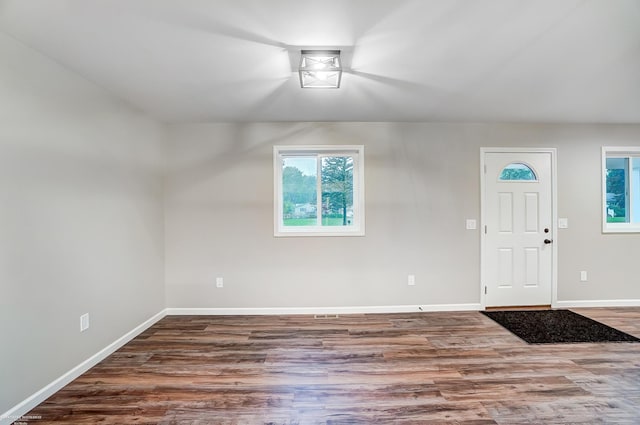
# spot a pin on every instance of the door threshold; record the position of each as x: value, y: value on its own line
x: 519, y: 307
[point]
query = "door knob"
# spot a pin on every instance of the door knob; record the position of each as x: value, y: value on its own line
x: 548, y: 241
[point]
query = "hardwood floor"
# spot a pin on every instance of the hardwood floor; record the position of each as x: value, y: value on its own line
x: 454, y: 367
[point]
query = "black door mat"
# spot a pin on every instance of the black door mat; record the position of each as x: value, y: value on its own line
x: 556, y: 326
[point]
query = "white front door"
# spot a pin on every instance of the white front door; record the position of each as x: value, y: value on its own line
x: 518, y: 217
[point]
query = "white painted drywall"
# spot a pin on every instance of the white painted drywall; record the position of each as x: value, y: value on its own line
x: 422, y: 182
x: 81, y: 222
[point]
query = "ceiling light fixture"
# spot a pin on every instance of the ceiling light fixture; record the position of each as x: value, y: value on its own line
x: 320, y: 69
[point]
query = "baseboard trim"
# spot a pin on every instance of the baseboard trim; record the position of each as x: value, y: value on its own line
x: 18, y: 411
x: 321, y: 310
x: 597, y: 303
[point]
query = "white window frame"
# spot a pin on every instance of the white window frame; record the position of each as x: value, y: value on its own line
x: 618, y: 152
x: 357, y: 228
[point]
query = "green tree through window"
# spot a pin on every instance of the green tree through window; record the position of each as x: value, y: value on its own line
x: 616, y: 199
x: 337, y: 188
x: 298, y: 188
x: 319, y: 190
x: 621, y: 189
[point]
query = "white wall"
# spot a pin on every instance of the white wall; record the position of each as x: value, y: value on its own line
x: 422, y: 181
x: 81, y: 221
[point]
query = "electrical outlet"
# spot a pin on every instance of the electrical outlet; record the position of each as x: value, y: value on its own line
x: 583, y: 276
x: 219, y: 282
x: 411, y: 280
x: 84, y: 322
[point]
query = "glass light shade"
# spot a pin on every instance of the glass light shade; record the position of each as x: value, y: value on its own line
x: 320, y: 69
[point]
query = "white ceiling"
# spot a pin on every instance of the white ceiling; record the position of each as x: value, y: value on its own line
x: 411, y: 60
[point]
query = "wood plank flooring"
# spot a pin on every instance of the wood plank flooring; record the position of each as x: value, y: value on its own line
x: 422, y: 368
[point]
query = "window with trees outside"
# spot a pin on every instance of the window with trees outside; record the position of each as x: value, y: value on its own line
x: 319, y: 190
x: 621, y: 189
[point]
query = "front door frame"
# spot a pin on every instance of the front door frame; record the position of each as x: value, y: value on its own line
x: 554, y: 218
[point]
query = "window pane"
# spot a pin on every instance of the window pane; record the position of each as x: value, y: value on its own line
x: 299, y: 191
x: 337, y: 191
x: 635, y: 190
x: 617, y: 184
x: 517, y: 171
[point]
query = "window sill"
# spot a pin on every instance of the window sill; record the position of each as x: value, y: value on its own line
x: 621, y: 228
x: 317, y: 233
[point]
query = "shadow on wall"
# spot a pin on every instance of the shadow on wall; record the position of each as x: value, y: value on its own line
x: 237, y: 147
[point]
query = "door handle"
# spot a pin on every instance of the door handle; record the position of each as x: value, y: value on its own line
x: 548, y: 241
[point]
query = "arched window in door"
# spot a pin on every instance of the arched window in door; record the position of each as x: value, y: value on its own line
x: 517, y: 171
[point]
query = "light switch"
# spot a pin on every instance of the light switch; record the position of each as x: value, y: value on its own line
x: 563, y: 223
x: 471, y: 224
